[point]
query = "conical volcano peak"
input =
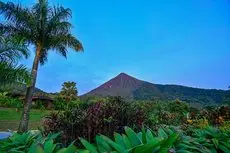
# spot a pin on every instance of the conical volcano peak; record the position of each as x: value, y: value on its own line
x: 124, y: 75
x: 129, y: 87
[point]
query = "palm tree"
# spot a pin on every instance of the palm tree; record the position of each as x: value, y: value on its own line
x: 46, y: 28
x: 10, y: 52
x: 69, y: 91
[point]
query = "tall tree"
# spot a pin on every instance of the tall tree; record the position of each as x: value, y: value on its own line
x: 10, y: 52
x: 46, y: 28
x: 68, y: 91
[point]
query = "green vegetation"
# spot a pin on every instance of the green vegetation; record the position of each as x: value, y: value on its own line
x: 10, y: 52
x: 46, y: 28
x: 135, y: 89
x: 68, y: 91
x: 164, y: 140
x: 163, y: 115
x: 34, y: 143
x: 10, y: 118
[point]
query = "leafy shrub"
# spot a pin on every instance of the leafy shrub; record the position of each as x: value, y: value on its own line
x: 112, y: 114
x: 164, y: 141
x: 39, y: 105
x: 213, y: 140
x: 163, y: 112
x: 7, y: 101
x: 60, y: 104
x: 34, y: 143
x: 100, y: 117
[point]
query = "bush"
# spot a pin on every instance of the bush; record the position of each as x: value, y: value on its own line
x: 100, y: 117
x: 164, y: 112
x: 107, y: 117
x: 60, y: 104
x: 39, y: 105
x: 164, y: 140
x: 34, y: 142
x: 7, y: 101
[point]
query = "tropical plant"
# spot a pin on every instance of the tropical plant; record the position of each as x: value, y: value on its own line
x: 44, y: 26
x: 34, y: 142
x: 93, y: 119
x: 164, y: 141
x: 7, y: 101
x: 10, y: 52
x: 68, y: 91
x: 213, y: 140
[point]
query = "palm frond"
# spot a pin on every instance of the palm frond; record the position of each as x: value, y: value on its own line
x: 59, y: 13
x: 10, y: 73
x: 67, y: 40
x: 42, y: 24
x: 17, y: 14
x: 59, y: 27
x: 11, y: 50
x: 20, y: 33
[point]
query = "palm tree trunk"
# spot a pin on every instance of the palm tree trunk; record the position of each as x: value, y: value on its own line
x: 23, y: 126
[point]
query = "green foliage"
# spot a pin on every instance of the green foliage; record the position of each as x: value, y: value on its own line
x: 94, y: 118
x: 164, y: 141
x: 100, y: 117
x: 68, y: 91
x: 38, y: 105
x: 10, y: 52
x: 34, y: 142
x: 6, y: 101
x: 45, y: 26
x: 163, y: 112
x: 213, y: 139
x: 148, y: 91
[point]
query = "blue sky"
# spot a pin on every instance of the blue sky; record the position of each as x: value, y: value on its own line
x: 184, y: 42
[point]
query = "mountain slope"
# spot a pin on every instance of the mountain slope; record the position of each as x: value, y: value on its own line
x: 20, y: 89
x: 132, y: 88
x: 122, y: 85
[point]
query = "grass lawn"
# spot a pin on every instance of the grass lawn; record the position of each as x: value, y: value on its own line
x: 9, y: 118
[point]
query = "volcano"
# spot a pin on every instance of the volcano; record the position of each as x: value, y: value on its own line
x: 130, y: 87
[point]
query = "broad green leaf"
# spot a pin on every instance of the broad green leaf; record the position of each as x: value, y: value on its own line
x: 101, y: 142
x: 83, y: 151
x: 215, y: 142
x: 162, y: 133
x: 126, y: 141
x: 147, y: 148
x: 119, y: 140
x: 135, y: 141
x: 185, y: 146
x: 39, y: 149
x: 53, y: 136
x: 167, y: 143
x: 139, y: 135
x: 88, y: 146
x: 144, y: 137
x: 70, y: 149
x: 183, y: 151
x: 49, y: 146
x: 170, y: 131
x: 116, y: 146
x: 224, y: 149
x: 226, y: 144
x: 149, y: 136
